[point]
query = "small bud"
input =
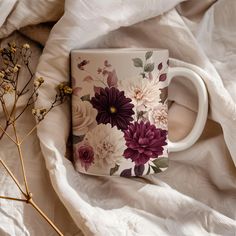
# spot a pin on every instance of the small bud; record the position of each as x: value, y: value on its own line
x: 13, y: 50
x: 7, y: 88
x: 15, y: 69
x: 34, y: 111
x: 2, y: 75
x: 26, y: 46
x: 38, y: 81
x: 6, y: 62
x: 67, y: 90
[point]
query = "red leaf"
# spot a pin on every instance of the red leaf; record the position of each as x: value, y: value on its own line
x: 126, y: 173
x: 162, y: 77
x: 96, y: 89
x: 112, y: 79
x: 88, y: 78
x: 159, y: 66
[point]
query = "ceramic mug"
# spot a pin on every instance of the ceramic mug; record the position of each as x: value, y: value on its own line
x: 119, y: 111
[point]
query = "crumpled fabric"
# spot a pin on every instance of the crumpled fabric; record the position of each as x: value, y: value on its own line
x: 196, y: 195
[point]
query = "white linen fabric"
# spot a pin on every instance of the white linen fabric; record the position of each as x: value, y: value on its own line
x: 197, y: 194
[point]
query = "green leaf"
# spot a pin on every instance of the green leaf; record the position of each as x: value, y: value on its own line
x: 137, y: 62
x: 148, y: 55
x: 164, y: 94
x: 114, y: 169
x: 161, y: 162
x: 149, y: 67
x: 77, y: 139
x: 85, y: 97
x: 156, y: 169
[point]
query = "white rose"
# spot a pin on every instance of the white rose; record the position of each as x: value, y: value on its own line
x: 108, y: 144
x: 144, y: 93
x: 158, y: 116
x: 83, y: 116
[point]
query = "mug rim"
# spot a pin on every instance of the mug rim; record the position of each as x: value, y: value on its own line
x: 119, y: 50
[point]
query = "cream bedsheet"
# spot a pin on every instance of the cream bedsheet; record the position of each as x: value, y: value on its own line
x: 196, y: 195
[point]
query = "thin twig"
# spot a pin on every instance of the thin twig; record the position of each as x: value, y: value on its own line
x: 21, y: 158
x: 13, y: 199
x: 4, y: 131
x: 30, y: 201
x: 28, y: 134
x: 13, y: 177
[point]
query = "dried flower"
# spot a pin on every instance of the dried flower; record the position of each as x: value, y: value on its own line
x: 39, y: 81
x: 26, y: 46
x: 39, y: 113
x: 2, y: 74
x: 15, y: 69
x: 7, y: 88
x: 67, y: 90
x: 64, y: 89
x: 6, y: 62
x: 13, y: 50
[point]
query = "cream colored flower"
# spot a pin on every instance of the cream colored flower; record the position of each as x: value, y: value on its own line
x: 159, y: 116
x: 7, y: 88
x: 26, y: 46
x: 38, y: 81
x: 144, y: 93
x: 2, y: 74
x: 67, y: 90
x: 83, y: 116
x: 108, y: 144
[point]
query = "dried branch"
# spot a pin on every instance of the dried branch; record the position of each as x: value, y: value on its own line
x: 9, y: 83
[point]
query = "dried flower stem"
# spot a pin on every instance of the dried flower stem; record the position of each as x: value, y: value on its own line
x: 5, y: 132
x: 21, y: 158
x: 13, y: 199
x: 31, y: 202
x: 9, y: 75
x: 13, y: 177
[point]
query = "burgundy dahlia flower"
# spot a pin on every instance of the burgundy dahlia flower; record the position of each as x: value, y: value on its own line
x: 85, y: 155
x: 144, y: 141
x: 113, y: 107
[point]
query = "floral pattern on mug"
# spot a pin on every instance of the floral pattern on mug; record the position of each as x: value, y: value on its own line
x: 120, y: 128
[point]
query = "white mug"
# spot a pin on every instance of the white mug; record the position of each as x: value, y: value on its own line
x: 119, y: 111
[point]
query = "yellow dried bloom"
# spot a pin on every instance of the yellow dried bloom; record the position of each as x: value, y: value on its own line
x: 7, y: 88
x: 13, y: 50
x: 2, y: 74
x: 38, y: 81
x: 6, y: 62
x: 34, y: 111
x: 26, y: 46
x: 15, y: 69
x: 61, y: 86
x: 67, y: 90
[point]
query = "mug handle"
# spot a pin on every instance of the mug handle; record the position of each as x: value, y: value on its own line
x: 198, y: 127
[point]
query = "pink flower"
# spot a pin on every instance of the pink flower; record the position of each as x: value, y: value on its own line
x: 85, y: 155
